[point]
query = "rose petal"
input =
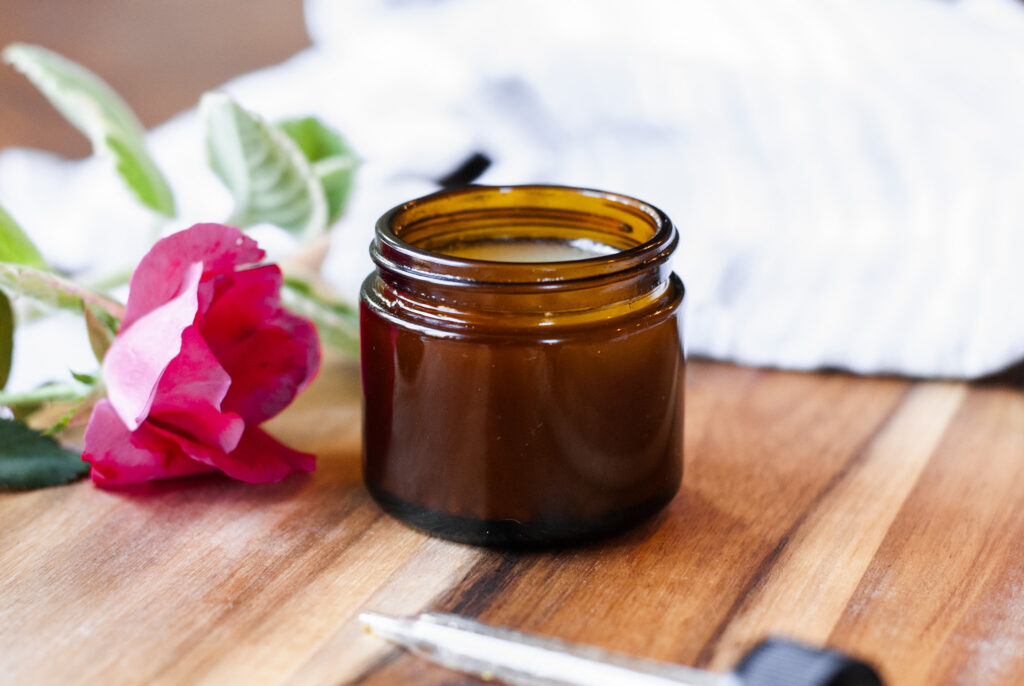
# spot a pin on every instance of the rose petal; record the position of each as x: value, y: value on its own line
x: 119, y: 457
x: 219, y: 248
x: 194, y: 374
x: 204, y: 354
x: 250, y: 299
x: 201, y: 423
x: 270, y: 353
x: 267, y: 369
x: 141, y: 352
x: 302, y: 330
x: 206, y: 453
x: 189, y: 394
x: 260, y: 458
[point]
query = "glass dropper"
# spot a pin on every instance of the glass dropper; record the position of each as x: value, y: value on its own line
x: 520, y: 659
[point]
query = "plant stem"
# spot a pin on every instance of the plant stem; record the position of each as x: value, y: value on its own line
x: 49, y: 392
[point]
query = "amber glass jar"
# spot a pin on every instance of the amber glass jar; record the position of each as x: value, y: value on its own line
x: 522, y: 362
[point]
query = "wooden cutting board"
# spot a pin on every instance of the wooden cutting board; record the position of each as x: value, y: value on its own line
x: 879, y: 516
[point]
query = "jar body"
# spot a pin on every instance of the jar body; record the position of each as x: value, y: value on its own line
x: 511, y: 426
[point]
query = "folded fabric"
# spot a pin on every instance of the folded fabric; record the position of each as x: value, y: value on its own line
x: 846, y: 177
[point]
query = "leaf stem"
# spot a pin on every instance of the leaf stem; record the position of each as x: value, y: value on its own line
x: 47, y: 393
x: 54, y: 290
x: 106, y: 282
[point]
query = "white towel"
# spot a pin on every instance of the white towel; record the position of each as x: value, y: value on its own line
x: 847, y: 177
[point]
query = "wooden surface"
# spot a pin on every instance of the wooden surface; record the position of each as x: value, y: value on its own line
x: 879, y: 516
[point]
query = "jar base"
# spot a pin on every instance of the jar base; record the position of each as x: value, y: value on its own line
x: 510, y: 533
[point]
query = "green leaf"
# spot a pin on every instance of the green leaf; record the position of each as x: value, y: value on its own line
x: 80, y: 411
x: 15, y: 246
x: 87, y: 379
x: 95, y: 109
x: 6, y: 338
x: 55, y: 291
x: 271, y: 180
x: 336, y: 174
x: 337, y: 322
x: 28, y: 459
x: 333, y: 160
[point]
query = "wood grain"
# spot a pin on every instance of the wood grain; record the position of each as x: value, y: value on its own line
x: 874, y: 515
x: 880, y: 516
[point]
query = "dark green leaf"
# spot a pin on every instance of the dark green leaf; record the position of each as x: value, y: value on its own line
x: 15, y: 246
x: 333, y: 160
x: 6, y: 338
x: 28, y: 459
x: 95, y: 109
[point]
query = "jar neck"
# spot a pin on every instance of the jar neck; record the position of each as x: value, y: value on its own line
x: 413, y: 242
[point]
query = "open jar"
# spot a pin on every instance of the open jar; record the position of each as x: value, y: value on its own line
x: 522, y: 362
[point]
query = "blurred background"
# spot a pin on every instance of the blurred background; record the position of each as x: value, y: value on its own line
x: 846, y: 176
x: 159, y: 56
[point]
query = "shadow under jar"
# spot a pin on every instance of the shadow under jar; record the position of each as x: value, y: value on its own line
x: 523, y: 366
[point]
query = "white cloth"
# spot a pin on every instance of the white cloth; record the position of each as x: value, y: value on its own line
x: 847, y: 177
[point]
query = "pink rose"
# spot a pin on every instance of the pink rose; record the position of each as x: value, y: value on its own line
x: 205, y: 353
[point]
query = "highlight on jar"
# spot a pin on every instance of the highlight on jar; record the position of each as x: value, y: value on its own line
x: 523, y: 364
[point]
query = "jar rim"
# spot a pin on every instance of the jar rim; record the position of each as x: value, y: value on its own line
x: 391, y: 252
